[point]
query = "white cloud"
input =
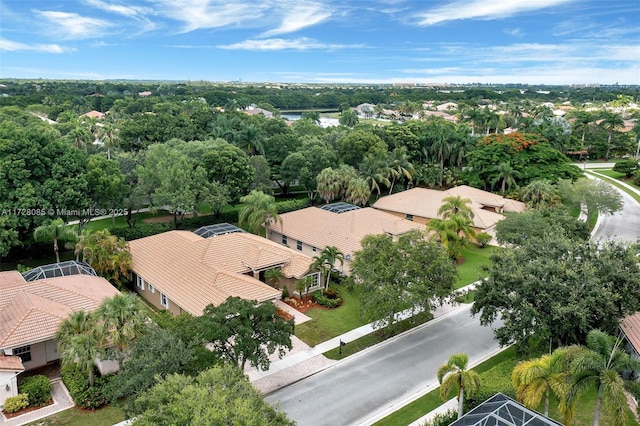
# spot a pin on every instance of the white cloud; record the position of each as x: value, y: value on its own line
x: 14, y: 46
x: 130, y: 11
x: 515, y: 32
x: 302, y: 15
x: 73, y: 26
x: 211, y: 13
x: 482, y: 9
x: 302, y: 43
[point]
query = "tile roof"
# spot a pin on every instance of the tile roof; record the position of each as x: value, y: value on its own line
x: 630, y: 326
x: 425, y: 202
x: 195, y: 272
x: 31, y: 311
x: 11, y: 363
x: 321, y: 228
x: 10, y: 277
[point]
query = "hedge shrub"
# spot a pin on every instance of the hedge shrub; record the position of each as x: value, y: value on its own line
x: 291, y: 205
x: 626, y: 166
x: 483, y: 239
x: 141, y: 230
x: 85, y: 396
x: 323, y: 300
x: 494, y: 380
x: 38, y: 388
x: 16, y: 403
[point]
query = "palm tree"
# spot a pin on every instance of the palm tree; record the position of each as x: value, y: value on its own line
x: 55, y: 231
x: 259, y: 210
x: 535, y: 378
x: 599, y: 365
x: 375, y: 171
x: 440, y: 148
x: 123, y: 318
x: 250, y: 137
x: 348, y: 117
x: 358, y: 192
x: 109, y: 137
x: 273, y: 276
x: 399, y: 165
x: 540, y: 193
x: 452, y: 206
x: 327, y: 260
x: 583, y: 119
x: 454, y: 374
x: 80, y: 136
x: 80, y: 342
x: 610, y: 122
x: 505, y: 173
x: 328, y: 184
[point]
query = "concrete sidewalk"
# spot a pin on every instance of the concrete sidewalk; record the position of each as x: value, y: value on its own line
x: 61, y: 401
x: 303, y: 361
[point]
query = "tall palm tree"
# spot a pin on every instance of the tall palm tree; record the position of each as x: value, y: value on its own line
x: 599, y: 365
x: 399, y: 165
x: 583, y: 119
x: 123, y: 317
x: 358, y: 192
x: 505, y: 173
x: 375, y: 171
x: 610, y: 122
x: 55, y: 231
x: 456, y: 205
x: 80, y: 136
x: 540, y: 193
x: 259, y: 210
x: 109, y: 136
x: 538, y: 377
x: 440, y: 148
x: 328, y: 184
x: 454, y: 375
x: 348, y: 117
x: 80, y: 341
x: 327, y: 260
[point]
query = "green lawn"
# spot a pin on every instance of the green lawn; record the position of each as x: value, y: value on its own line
x: 618, y: 176
x: 327, y: 324
x: 106, y: 416
x: 474, y: 257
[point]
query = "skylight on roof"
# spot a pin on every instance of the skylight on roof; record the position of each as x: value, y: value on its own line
x: 217, y: 229
x: 339, y: 207
x: 62, y: 269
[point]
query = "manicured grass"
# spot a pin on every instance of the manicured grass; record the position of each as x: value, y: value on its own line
x: 106, y: 416
x: 618, y: 176
x: 474, y: 257
x: 329, y: 323
x: 121, y: 222
x: 431, y: 400
x: 377, y: 337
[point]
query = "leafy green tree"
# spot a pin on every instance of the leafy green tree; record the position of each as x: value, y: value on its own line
x: 559, y: 289
x: 517, y: 228
x: 55, y: 231
x: 106, y: 184
x: 353, y: 148
x: 611, y: 122
x: 262, y: 174
x: 455, y: 375
x: 80, y: 341
x: 155, y: 353
x: 537, y: 378
x: 123, y: 318
x: 241, y: 332
x: 214, y: 396
x: 107, y: 254
x: 597, y: 195
x: 409, y: 273
x: 8, y: 235
x: 599, y: 365
x: 627, y: 167
x: 228, y: 165
x: 259, y: 210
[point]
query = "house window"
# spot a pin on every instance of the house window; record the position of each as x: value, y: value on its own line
x: 24, y: 352
x: 152, y: 289
x: 164, y: 301
x: 140, y: 282
x: 299, y: 245
x: 409, y: 216
x: 313, y: 249
x: 284, y: 240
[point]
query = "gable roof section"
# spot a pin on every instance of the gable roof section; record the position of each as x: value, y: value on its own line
x: 321, y: 228
x: 195, y: 272
x: 31, y: 311
x: 630, y: 326
x: 425, y: 203
x: 11, y: 363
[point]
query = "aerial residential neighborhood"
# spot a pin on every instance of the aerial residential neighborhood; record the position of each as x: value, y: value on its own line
x: 320, y: 213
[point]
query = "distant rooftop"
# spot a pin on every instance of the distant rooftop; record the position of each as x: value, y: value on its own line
x: 339, y: 207
x: 61, y: 269
x: 217, y: 229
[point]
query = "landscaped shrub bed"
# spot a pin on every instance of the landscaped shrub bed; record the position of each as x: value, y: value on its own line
x: 38, y: 390
x: 326, y: 301
x: 16, y: 403
x: 85, y: 396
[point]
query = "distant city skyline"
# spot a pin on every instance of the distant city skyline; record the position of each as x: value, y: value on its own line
x: 376, y: 41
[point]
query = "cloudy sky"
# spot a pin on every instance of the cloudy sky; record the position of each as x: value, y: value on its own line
x: 360, y: 41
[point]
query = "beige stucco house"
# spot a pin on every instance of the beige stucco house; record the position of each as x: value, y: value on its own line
x: 310, y: 230
x: 183, y: 272
x: 30, y: 312
x: 421, y: 205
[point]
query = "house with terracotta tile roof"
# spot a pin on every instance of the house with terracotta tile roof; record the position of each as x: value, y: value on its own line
x: 630, y: 327
x: 30, y: 312
x: 312, y: 229
x: 422, y: 204
x: 181, y: 271
x: 94, y: 114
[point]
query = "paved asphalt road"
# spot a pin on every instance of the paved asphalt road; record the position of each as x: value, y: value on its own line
x: 370, y: 382
x: 624, y: 225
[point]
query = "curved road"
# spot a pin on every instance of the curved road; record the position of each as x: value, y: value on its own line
x: 623, y: 225
x: 369, y: 383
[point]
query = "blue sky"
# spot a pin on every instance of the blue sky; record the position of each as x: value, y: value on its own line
x: 363, y: 41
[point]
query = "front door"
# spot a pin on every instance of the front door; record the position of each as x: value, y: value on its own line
x: 51, y: 350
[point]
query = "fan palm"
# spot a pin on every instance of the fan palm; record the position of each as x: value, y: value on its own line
x: 259, y: 210
x: 327, y: 260
x: 505, y: 173
x: 454, y: 375
x: 55, y: 231
x: 399, y: 165
x: 80, y: 341
x: 123, y: 317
